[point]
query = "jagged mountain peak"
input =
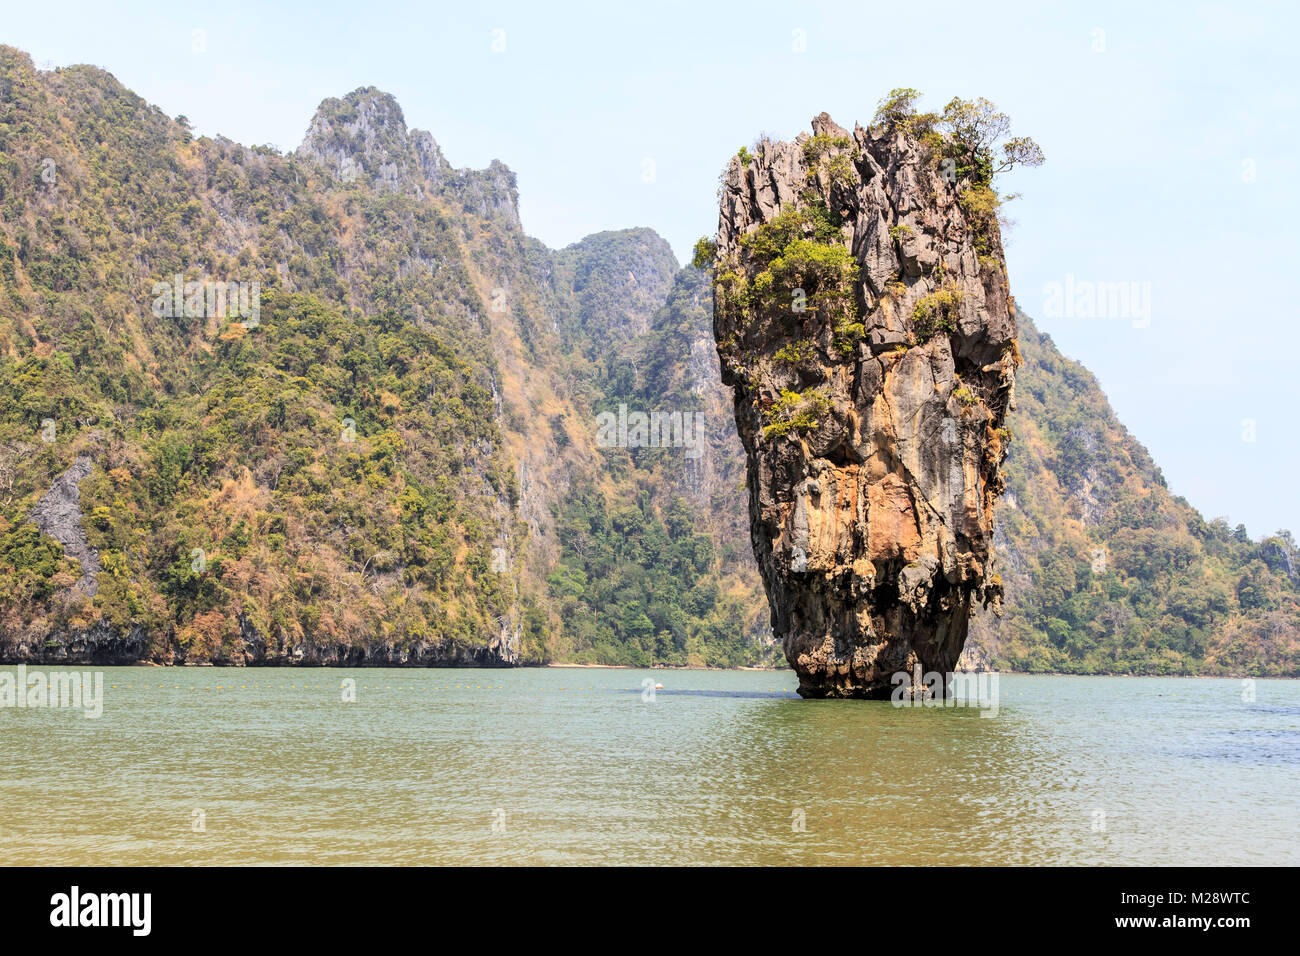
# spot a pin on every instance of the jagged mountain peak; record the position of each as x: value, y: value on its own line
x: 364, y: 136
x: 370, y: 101
x: 823, y: 125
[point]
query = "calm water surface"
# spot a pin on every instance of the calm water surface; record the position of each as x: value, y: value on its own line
x: 566, y: 766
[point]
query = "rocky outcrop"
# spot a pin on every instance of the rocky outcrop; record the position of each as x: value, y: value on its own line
x: 105, y: 646
x: 363, y: 137
x: 863, y: 320
x: 58, y: 514
x: 100, y: 644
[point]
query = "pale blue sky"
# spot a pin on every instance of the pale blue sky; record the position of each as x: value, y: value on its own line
x: 1151, y: 129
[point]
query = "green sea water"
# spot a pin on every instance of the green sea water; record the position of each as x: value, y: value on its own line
x: 569, y: 766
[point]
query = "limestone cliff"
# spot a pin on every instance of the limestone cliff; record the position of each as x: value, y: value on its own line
x: 363, y: 138
x: 58, y: 514
x: 863, y: 320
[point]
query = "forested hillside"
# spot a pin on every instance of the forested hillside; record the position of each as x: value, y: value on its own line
x: 1106, y: 571
x: 659, y: 567
x: 393, y: 459
x: 324, y: 472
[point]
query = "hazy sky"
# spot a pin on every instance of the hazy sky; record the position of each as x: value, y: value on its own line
x: 1170, y: 135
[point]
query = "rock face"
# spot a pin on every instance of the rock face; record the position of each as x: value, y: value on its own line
x: 363, y: 137
x: 863, y: 320
x: 58, y: 514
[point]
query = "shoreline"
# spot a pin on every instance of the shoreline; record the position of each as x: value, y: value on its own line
x: 565, y: 665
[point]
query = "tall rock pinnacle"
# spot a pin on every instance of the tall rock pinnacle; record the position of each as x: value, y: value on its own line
x: 863, y: 320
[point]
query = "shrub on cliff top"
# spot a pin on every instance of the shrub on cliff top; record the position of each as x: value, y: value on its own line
x: 897, y: 111
x: 976, y: 127
x: 968, y: 131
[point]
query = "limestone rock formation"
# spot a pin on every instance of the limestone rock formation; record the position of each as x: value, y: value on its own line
x: 363, y: 137
x: 863, y: 320
x: 58, y: 514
